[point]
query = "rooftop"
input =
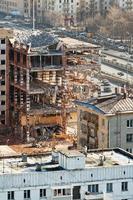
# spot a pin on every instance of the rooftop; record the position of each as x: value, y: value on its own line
x: 16, y: 163
x: 71, y: 153
x: 35, y: 38
x: 5, y: 33
x: 108, y: 158
x: 71, y: 43
x: 110, y: 105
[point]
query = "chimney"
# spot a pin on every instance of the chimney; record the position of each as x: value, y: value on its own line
x: 125, y: 92
x: 116, y: 90
x: 24, y: 158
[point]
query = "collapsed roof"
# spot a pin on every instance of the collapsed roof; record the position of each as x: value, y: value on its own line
x: 35, y: 38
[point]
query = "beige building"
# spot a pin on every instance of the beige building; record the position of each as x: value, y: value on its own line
x: 106, y: 122
x: 66, y: 8
x: 9, y: 6
x: 69, y: 9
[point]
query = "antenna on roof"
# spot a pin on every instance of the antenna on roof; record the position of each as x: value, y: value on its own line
x: 33, y: 7
x: 3, y: 170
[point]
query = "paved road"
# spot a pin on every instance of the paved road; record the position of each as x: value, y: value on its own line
x: 123, y: 60
x: 119, y: 60
x: 121, y: 56
x: 112, y: 71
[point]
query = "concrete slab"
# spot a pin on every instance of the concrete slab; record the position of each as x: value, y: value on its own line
x: 6, y: 151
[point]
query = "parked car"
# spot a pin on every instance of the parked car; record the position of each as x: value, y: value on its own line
x: 120, y: 73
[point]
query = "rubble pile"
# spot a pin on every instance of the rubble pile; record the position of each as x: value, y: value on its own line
x: 36, y: 38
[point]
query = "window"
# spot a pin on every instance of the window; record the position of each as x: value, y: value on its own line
x: 42, y: 192
x: 2, y: 51
x: 93, y: 188
x: 129, y: 150
x: 109, y: 187
x: 2, y: 82
x: 66, y: 192
x: 2, y: 92
x: 3, y: 72
x: 2, y: 102
x: 62, y: 192
x: 3, y: 122
x: 124, y: 186
x: 130, y: 123
x: 2, y: 62
x: 26, y: 194
x: 129, y: 137
x: 10, y: 195
x: 3, y: 41
x: 3, y: 112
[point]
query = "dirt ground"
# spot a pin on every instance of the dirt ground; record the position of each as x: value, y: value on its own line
x: 40, y: 148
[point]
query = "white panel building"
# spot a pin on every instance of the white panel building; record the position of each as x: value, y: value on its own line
x: 4, y: 79
x: 101, y: 175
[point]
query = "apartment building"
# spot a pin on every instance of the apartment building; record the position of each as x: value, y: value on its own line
x: 67, y: 8
x: 39, y: 6
x: 129, y: 5
x: 126, y: 5
x: 42, y: 74
x: 103, y: 6
x: 4, y: 79
x: 35, y: 80
x: 106, y: 122
x: 68, y: 175
x: 10, y: 6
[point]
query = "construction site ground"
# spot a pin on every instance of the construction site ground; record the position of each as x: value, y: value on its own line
x: 18, y: 146
x: 47, y: 148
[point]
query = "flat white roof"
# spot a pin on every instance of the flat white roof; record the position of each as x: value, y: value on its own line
x: 72, y: 153
x: 12, y: 163
x: 108, y: 158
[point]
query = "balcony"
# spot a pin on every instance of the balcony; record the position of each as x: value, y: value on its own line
x: 94, y: 196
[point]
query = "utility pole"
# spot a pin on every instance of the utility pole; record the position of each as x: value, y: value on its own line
x: 33, y: 15
x: 128, y: 58
x: 131, y: 45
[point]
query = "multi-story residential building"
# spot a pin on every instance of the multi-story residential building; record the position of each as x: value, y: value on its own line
x: 129, y: 5
x: 10, y: 6
x: 106, y: 122
x: 40, y: 65
x: 103, y: 6
x: 68, y: 9
x: 39, y: 7
x: 4, y: 79
x: 35, y: 80
x: 68, y: 175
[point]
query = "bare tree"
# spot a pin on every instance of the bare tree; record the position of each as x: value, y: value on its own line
x: 53, y: 18
x: 116, y: 23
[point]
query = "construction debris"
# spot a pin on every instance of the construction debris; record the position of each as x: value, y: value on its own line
x: 48, y: 74
x: 35, y: 38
